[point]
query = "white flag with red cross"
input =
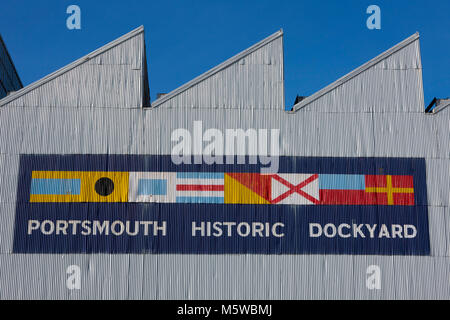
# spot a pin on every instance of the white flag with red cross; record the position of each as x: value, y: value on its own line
x: 293, y: 188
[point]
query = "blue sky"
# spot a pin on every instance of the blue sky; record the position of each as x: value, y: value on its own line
x: 323, y: 40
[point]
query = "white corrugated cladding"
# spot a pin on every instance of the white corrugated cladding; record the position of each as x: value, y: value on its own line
x: 391, y: 82
x: 377, y: 110
x: 252, y: 79
x: 112, y: 76
x: 441, y: 104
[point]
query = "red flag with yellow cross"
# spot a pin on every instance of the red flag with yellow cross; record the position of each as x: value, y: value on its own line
x: 391, y: 190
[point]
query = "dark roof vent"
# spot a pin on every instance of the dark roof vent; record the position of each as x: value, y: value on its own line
x: 298, y: 99
x: 430, y: 106
x: 437, y: 104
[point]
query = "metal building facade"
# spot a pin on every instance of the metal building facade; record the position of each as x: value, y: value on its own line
x: 96, y: 106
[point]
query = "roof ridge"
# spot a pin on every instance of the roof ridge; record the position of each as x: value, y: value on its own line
x: 356, y: 72
x: 70, y: 66
x: 217, y: 68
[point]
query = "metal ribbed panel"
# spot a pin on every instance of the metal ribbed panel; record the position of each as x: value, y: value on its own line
x: 338, y: 284
x: 442, y: 273
x: 442, y: 125
x: 129, y: 52
x: 437, y: 226
x: 44, y: 277
x: 386, y: 265
x: 407, y: 58
x: 438, y: 182
x: 255, y: 81
x: 88, y: 85
x: 7, y: 217
x: 113, y: 77
x: 393, y: 84
x: 415, y: 278
x: 90, y: 130
x: 222, y: 277
x: 375, y: 90
x: 302, y: 134
x: 441, y: 104
x: 9, y: 170
x: 447, y: 228
x: 405, y: 135
x: 236, y: 277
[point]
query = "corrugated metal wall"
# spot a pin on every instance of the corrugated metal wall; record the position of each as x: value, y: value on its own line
x: 251, y: 80
x: 336, y: 128
x: 112, y: 77
x: 392, y: 85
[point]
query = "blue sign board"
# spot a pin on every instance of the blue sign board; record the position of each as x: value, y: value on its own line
x: 148, y: 204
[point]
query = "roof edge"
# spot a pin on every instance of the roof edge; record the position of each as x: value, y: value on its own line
x: 441, y: 105
x: 217, y: 68
x: 70, y: 66
x: 356, y: 72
